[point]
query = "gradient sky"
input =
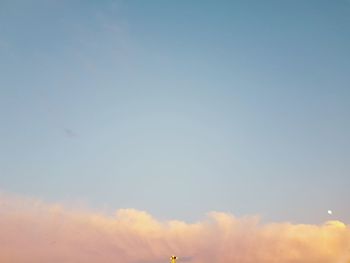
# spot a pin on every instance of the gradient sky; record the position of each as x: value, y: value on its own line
x: 178, y: 107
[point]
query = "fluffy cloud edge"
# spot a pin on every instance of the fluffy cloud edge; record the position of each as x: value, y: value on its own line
x: 35, y: 231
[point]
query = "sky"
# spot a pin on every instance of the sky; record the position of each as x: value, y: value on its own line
x: 33, y: 231
x: 178, y: 108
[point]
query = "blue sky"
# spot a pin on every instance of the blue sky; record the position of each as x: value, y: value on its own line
x: 178, y: 107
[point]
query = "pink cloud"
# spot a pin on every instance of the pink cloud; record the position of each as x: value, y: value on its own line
x: 33, y: 231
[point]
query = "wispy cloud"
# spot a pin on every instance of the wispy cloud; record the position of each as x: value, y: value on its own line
x: 33, y: 231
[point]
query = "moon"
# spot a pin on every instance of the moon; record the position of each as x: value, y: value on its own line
x: 330, y: 212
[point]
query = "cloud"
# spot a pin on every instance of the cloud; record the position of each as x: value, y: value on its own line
x: 33, y: 231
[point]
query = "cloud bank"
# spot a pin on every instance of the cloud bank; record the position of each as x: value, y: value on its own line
x: 33, y: 231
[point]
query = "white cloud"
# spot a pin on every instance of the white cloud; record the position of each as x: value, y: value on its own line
x: 32, y: 231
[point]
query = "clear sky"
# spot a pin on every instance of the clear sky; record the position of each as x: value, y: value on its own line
x: 178, y: 107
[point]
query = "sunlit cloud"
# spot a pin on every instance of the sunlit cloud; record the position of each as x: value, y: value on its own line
x: 34, y: 231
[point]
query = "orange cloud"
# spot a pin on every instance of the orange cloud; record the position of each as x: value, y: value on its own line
x: 32, y: 231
